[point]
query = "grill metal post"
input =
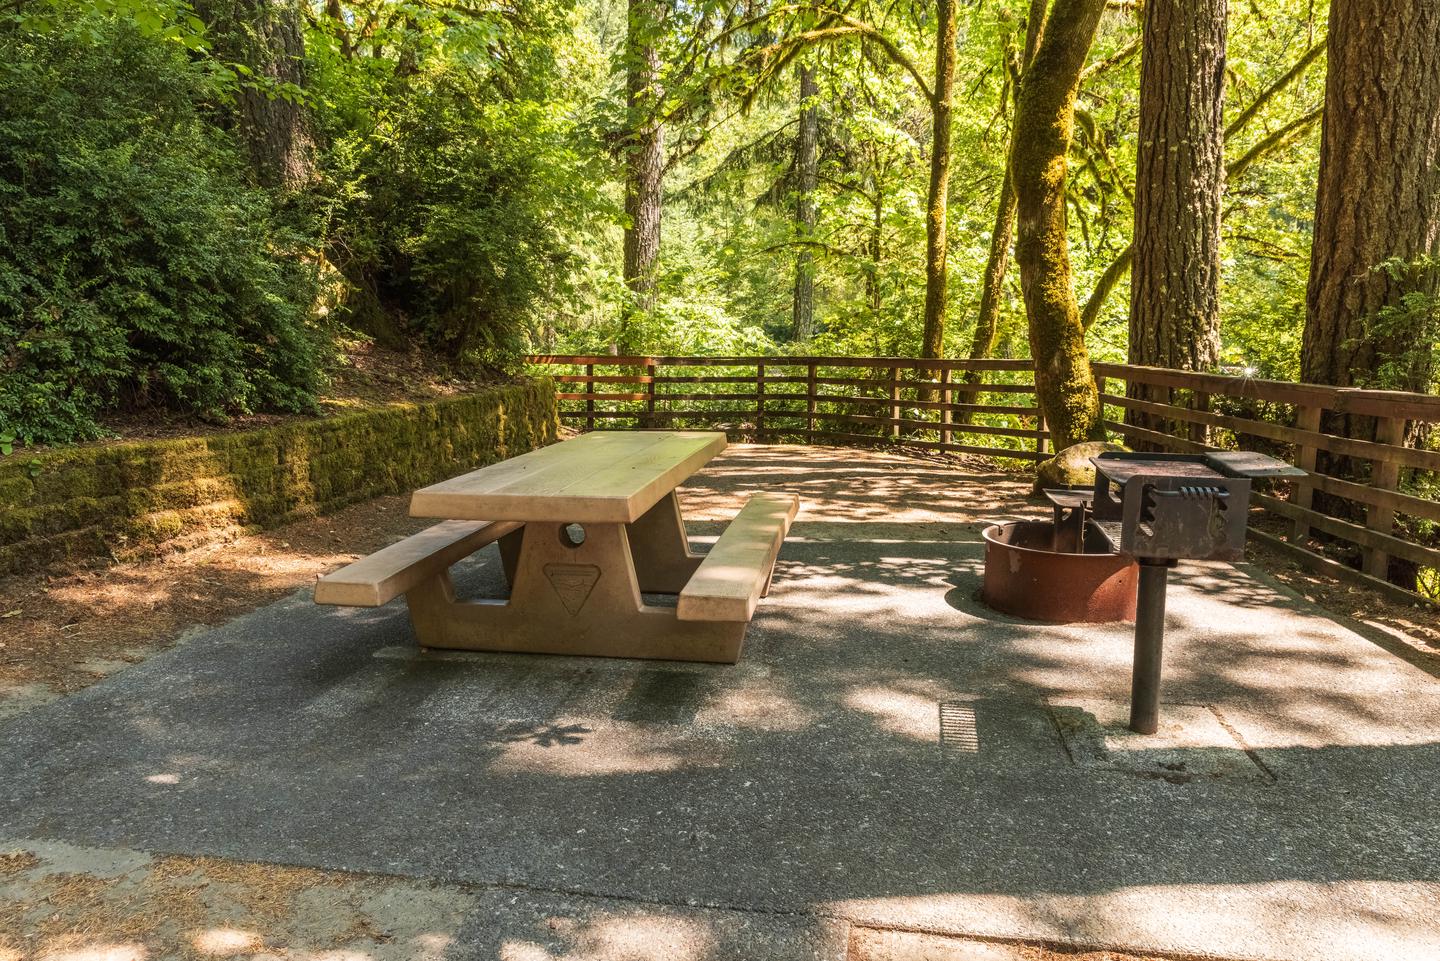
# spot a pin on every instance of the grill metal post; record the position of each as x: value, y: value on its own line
x: 1171, y: 506
x: 1149, y: 645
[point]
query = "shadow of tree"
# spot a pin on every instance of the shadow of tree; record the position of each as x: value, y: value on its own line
x: 813, y: 780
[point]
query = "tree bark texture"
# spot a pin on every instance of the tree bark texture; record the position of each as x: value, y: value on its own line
x: 644, y: 152
x: 1002, y: 236
x: 1379, y: 192
x: 932, y: 341
x: 807, y: 177
x: 267, y: 36
x: 1179, y: 179
x: 1044, y: 125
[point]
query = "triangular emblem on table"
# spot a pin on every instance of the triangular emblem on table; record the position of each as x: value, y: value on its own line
x: 573, y: 583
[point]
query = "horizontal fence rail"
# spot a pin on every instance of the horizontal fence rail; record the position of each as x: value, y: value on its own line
x: 975, y: 407
x: 1370, y: 454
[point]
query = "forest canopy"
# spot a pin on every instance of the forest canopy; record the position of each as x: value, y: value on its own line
x: 199, y: 201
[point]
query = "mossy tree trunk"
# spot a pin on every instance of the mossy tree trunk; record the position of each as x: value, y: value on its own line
x: 267, y: 38
x: 1179, y: 179
x: 1378, y: 196
x: 1044, y: 125
x: 875, y: 249
x: 932, y: 340
x: 807, y: 177
x: 1002, y: 235
x: 644, y: 153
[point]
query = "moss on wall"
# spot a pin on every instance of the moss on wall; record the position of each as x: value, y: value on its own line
x: 111, y: 500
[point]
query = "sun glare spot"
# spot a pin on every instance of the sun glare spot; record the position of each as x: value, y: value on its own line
x: 899, y: 712
x: 524, y: 951
x: 223, y: 942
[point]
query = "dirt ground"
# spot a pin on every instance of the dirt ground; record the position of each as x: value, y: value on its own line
x: 61, y: 903
x: 64, y: 630
x: 65, y: 903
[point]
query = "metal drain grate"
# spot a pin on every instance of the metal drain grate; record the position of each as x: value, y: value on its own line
x: 959, y: 732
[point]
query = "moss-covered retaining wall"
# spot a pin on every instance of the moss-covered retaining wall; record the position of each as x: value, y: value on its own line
x: 116, y: 500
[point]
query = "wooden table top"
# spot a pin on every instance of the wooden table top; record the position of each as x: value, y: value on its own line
x: 604, y: 477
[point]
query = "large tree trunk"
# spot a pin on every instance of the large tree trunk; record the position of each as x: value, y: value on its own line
x: 1179, y: 177
x: 1378, y: 196
x: 1044, y: 124
x: 1378, y: 199
x: 644, y: 153
x: 807, y: 177
x: 932, y: 341
x: 1002, y: 235
x: 267, y: 37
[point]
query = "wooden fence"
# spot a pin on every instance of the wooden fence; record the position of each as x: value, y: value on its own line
x: 1391, y: 487
x: 844, y: 400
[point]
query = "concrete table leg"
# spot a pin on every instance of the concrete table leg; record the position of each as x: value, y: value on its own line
x: 660, y: 548
x: 570, y: 595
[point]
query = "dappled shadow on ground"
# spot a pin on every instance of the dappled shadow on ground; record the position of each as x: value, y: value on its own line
x: 845, y: 486
x: 885, y: 752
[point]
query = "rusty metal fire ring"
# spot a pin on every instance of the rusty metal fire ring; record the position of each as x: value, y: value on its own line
x: 1026, y: 578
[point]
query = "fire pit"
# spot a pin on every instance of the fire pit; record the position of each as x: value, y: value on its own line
x: 1042, y: 571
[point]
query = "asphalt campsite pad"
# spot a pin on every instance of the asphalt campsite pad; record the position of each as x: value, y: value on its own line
x: 886, y: 753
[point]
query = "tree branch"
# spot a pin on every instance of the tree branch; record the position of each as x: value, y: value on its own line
x: 1117, y: 269
x: 1271, y: 143
x: 1268, y: 94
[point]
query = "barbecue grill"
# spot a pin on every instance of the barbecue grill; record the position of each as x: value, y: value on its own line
x: 1162, y: 509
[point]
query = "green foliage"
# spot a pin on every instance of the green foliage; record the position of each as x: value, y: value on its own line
x: 137, y: 268
x: 458, y: 183
x: 469, y: 190
x: 1412, y: 320
x: 91, y: 20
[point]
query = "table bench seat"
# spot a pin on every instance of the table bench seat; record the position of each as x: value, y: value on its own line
x: 736, y: 573
x: 395, y: 570
x: 588, y: 529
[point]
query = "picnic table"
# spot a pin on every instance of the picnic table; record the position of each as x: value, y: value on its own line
x: 585, y: 527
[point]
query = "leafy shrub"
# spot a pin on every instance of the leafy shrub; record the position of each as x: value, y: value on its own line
x: 136, y: 267
x: 457, y: 194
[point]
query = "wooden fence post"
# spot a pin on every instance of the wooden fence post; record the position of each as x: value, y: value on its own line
x: 895, y: 400
x: 1199, y: 433
x: 590, y: 401
x: 650, y: 396
x: 945, y: 411
x: 1307, y: 418
x: 759, y: 401
x: 810, y: 406
x: 1384, y: 475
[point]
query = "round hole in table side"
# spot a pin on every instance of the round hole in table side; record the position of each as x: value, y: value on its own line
x: 572, y: 535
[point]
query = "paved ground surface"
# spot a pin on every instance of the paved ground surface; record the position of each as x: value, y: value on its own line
x: 888, y: 758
